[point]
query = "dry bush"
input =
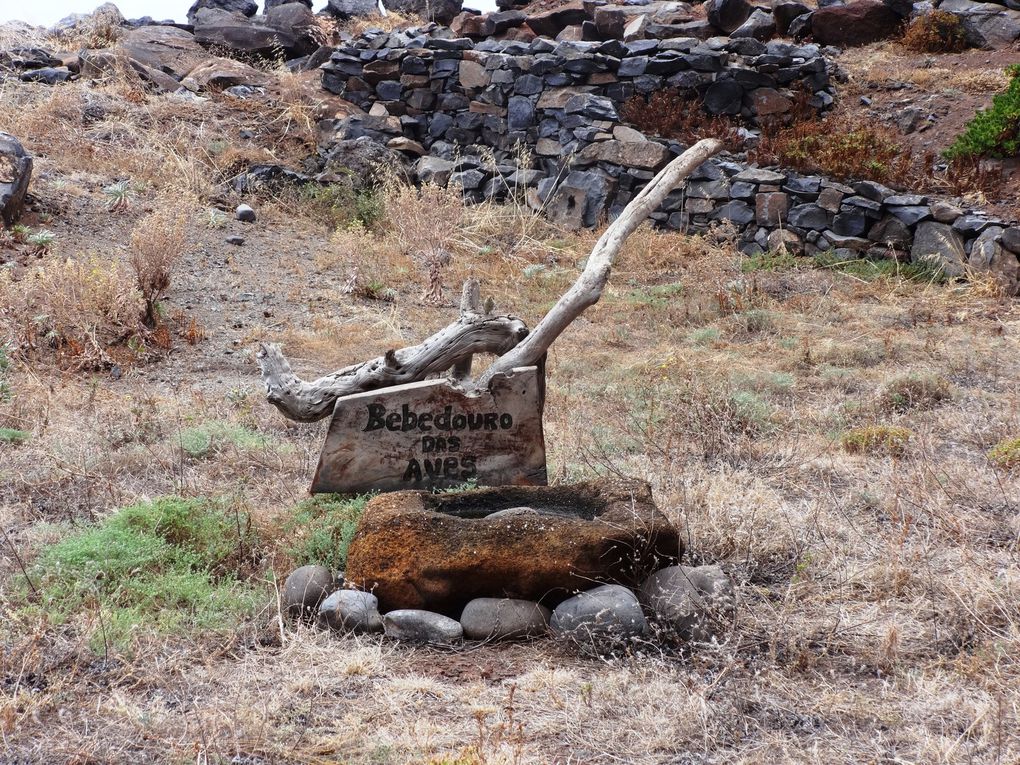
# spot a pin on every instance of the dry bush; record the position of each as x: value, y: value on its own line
x: 77, y: 307
x: 674, y: 113
x: 391, y: 22
x: 876, y: 439
x: 158, y: 242
x: 839, y: 146
x: 425, y: 224
x: 99, y: 29
x: 936, y: 32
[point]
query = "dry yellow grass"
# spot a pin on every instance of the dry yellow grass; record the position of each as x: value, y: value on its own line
x: 880, y: 595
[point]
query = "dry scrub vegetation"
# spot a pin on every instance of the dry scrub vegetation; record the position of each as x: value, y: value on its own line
x: 842, y: 440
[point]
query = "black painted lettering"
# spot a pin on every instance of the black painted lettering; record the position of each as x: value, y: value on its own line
x: 409, y: 419
x: 425, y: 422
x: 475, y: 421
x: 443, y: 420
x: 491, y: 420
x: 433, y: 469
x: 453, y: 444
x: 393, y: 421
x: 506, y: 421
x: 375, y: 417
x: 459, y: 422
x: 470, y: 470
x: 428, y: 444
x: 450, y: 467
x: 413, y: 471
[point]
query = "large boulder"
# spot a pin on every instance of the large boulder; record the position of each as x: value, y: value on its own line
x: 988, y: 255
x: 363, y: 162
x: 298, y: 21
x: 166, y: 49
x: 550, y: 23
x: 859, y: 23
x: 221, y: 73
x: 268, y: 5
x: 15, y: 174
x: 350, y: 9
x: 440, y: 11
x: 728, y: 15
x: 939, y: 245
x: 243, y: 7
x: 236, y: 32
x: 439, y: 551
x: 987, y: 25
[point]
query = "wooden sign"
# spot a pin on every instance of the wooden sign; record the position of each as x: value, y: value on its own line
x: 433, y: 435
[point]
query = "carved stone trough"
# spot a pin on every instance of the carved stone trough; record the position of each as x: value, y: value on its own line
x: 416, y: 549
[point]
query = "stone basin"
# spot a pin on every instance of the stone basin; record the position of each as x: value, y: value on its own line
x: 415, y: 549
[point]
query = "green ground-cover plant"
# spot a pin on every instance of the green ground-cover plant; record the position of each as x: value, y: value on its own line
x: 13, y: 436
x: 171, y: 565
x: 871, y: 270
x: 994, y: 132
x: 320, y: 529
x: 1005, y: 454
x: 204, y: 440
x: 876, y: 439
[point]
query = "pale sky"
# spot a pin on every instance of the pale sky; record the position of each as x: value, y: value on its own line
x: 47, y: 12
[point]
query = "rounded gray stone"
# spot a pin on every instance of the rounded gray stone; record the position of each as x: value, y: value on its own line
x: 504, y: 619
x: 351, y: 611
x: 417, y: 626
x: 608, y: 612
x: 245, y: 214
x: 305, y: 589
x: 696, y: 602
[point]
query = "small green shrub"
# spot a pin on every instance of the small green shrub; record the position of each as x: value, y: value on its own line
x: 204, y: 440
x: 915, y: 392
x: 655, y: 296
x: 778, y: 260
x: 751, y: 412
x: 5, y: 367
x: 173, y: 565
x: 994, y: 132
x: 704, y: 336
x: 755, y: 322
x: 337, y: 204
x: 876, y: 439
x: 13, y: 436
x: 1005, y: 454
x: 321, y: 528
x: 926, y: 272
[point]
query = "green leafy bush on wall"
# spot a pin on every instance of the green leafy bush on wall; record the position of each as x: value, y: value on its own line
x: 994, y: 132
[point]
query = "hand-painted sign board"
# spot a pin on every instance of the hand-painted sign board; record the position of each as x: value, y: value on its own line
x: 434, y: 435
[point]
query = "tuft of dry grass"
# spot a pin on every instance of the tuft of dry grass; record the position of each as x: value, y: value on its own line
x: 935, y: 32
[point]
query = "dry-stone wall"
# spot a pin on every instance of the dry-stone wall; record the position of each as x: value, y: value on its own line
x: 467, y: 109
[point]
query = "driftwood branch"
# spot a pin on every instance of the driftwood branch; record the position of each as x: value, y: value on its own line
x: 588, y: 288
x: 307, y: 401
x: 476, y: 331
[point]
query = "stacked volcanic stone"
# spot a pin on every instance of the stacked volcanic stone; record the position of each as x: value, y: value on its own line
x: 557, y: 97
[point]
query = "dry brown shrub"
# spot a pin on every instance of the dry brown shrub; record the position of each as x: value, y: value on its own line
x: 936, y: 32
x: 839, y: 146
x: 78, y: 307
x: 158, y: 241
x: 391, y: 22
x: 673, y: 113
x: 425, y: 225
